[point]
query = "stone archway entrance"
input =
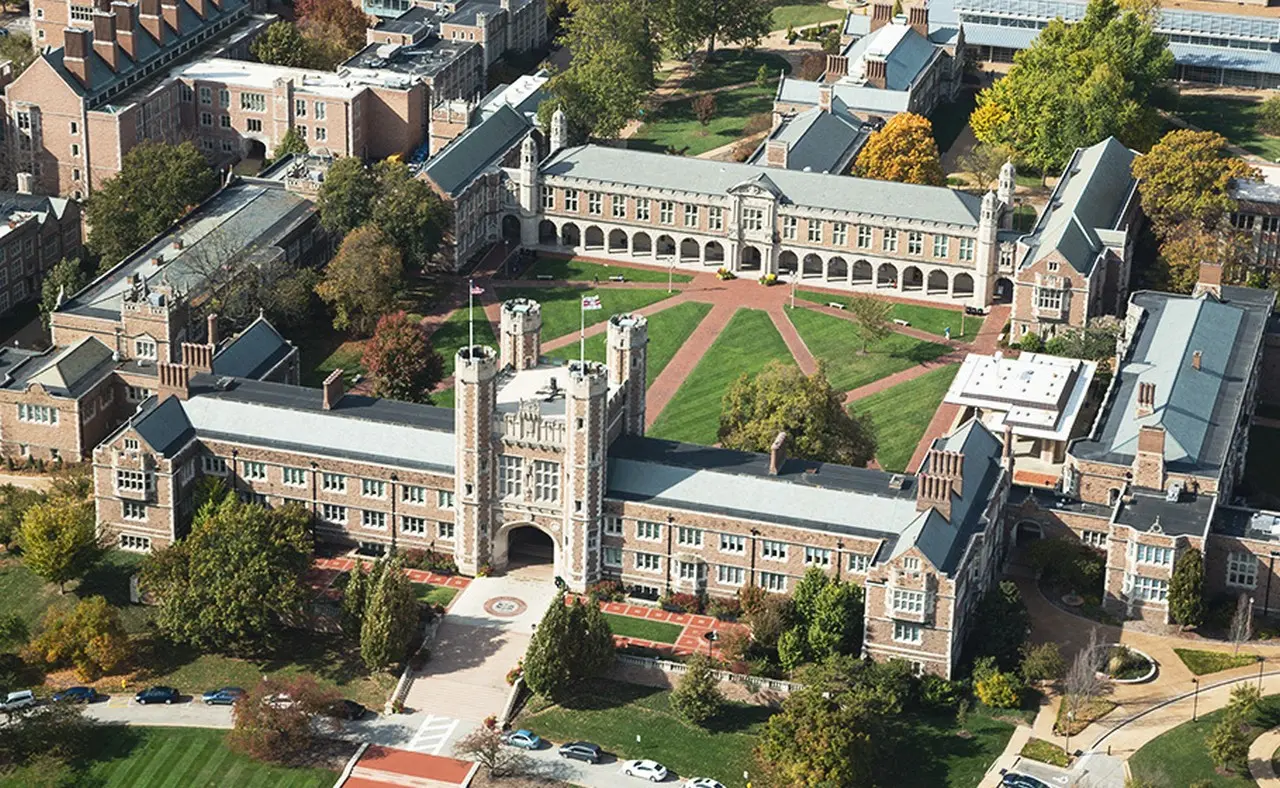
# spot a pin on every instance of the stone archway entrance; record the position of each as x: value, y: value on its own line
x: 1027, y: 532
x: 525, y: 549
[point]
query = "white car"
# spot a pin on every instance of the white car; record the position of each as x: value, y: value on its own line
x: 22, y: 699
x: 652, y: 771
x: 703, y: 782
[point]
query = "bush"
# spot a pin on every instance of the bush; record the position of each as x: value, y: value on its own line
x: 999, y: 690
x: 938, y: 692
x: 791, y: 649
x: 1069, y: 564
x: 769, y: 280
x: 88, y: 637
x: 757, y: 123
x: 734, y: 645
x: 607, y: 591
x: 682, y: 603
x: 1031, y: 342
x: 724, y: 609
x: 1042, y: 662
x: 724, y: 274
x: 704, y: 108
x: 697, y: 697
x: 1269, y: 115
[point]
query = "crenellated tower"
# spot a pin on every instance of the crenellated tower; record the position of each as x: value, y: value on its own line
x: 520, y: 343
x: 987, y: 254
x: 475, y: 383
x: 586, y: 408
x: 628, y: 353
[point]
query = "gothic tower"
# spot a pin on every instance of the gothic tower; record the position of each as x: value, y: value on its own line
x: 559, y: 131
x: 475, y: 381
x: 520, y: 344
x: 527, y: 192
x: 628, y: 354
x: 586, y: 421
x: 987, y: 255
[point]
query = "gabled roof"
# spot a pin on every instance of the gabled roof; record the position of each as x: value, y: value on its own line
x: 817, y: 141
x: 906, y: 54
x: 69, y: 371
x: 163, y: 425
x: 476, y: 149
x: 253, y: 352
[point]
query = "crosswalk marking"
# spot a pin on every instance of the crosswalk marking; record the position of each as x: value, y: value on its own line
x: 432, y: 734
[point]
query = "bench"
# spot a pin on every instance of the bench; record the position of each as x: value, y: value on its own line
x: 902, y: 322
x: 835, y: 305
x: 545, y: 277
x: 617, y: 278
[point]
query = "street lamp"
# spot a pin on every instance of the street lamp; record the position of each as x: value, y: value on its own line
x: 671, y: 272
x: 1071, y: 720
x: 711, y: 637
x: 1261, y: 661
x: 1195, y: 698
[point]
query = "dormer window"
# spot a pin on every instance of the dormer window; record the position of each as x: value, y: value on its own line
x: 911, y: 564
x: 130, y: 444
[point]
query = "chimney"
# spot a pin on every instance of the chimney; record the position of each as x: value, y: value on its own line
x: 126, y: 27
x: 949, y: 465
x: 837, y: 67
x: 933, y: 492
x: 333, y: 390
x: 199, y: 7
x: 169, y: 12
x: 75, y: 54
x: 775, y: 154
x: 26, y: 182
x: 149, y: 18
x: 1006, y: 451
x: 825, y: 93
x: 174, y: 380
x: 881, y: 15
x: 211, y: 329
x: 875, y: 72
x: 104, y: 38
x: 1210, y: 280
x: 1195, y: 360
x: 198, y: 356
x: 1148, y: 465
x: 918, y: 18
x: 778, y: 454
x: 1146, y: 399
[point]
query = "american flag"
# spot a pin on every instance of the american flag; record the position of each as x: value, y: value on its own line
x: 591, y: 302
x: 477, y: 289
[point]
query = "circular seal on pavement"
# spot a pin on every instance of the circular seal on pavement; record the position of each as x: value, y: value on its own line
x: 505, y: 607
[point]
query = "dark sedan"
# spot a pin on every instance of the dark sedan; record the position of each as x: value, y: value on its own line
x: 581, y: 751
x: 157, y: 695
x: 76, y: 695
x: 222, y: 697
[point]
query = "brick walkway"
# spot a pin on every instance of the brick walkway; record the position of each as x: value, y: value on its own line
x: 332, y: 567
x: 380, y: 767
x: 691, y: 638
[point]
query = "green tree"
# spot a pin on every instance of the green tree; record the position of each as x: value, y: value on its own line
x: 983, y: 162
x: 874, y: 317
x: 389, y: 618
x: 1077, y: 84
x: 409, y: 212
x: 1245, y: 699
x: 66, y: 278
x: 835, y: 627
x: 781, y: 398
x: 1042, y: 662
x: 1177, y: 266
x: 696, y: 696
x: 793, y: 648
x: 763, y: 76
x: 362, y: 280
x: 13, y: 629
x: 59, y: 541
x: 999, y: 690
x: 686, y: 25
x: 1186, y: 589
x: 1269, y: 115
x: 291, y: 143
x: 903, y: 151
x: 347, y: 195
x: 156, y: 185
x: 281, y: 44
x: 611, y: 72
x: 355, y: 598
x: 400, y: 360
x: 14, y: 503
x: 1000, y: 627
x: 570, y: 645
x: 89, y: 637
x: 17, y: 49
x: 237, y: 580
x: 57, y: 730
x: 1228, y: 742
x: 596, y: 649
x: 804, y: 600
x: 1183, y: 181
x: 268, y: 728
x: 336, y: 26
x: 1095, y: 342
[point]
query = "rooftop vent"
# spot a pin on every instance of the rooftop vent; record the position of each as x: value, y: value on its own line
x: 1174, y: 493
x: 897, y: 481
x: 224, y: 383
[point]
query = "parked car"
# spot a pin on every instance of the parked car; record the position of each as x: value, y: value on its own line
x: 1015, y: 780
x: 652, y: 771
x: 157, y: 695
x: 525, y: 740
x: 581, y: 751
x: 280, y: 700
x: 703, y: 782
x: 345, y: 710
x: 225, y: 696
x: 76, y: 695
x: 22, y: 699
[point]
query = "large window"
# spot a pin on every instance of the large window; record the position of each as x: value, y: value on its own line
x: 815, y: 231
x: 510, y: 471
x: 690, y: 216
x: 915, y: 242
x: 253, y: 102
x: 642, y: 209
x: 907, y: 633
x: 333, y: 482
x: 133, y: 481
x: 966, y: 250
x: 772, y: 581
x: 907, y: 601
x: 595, y: 203
x: 1148, y: 589
x: 940, y: 246
x: 546, y: 481
x: 689, y: 537
x: 1048, y: 298
x: 444, y: 530
x: 37, y: 414
x: 715, y: 218
x: 730, y: 575
x: 775, y: 551
x: 858, y: 562
x: 613, y: 557
x: 548, y: 198
x: 413, y: 525
x: 411, y: 493
x: 666, y: 212
x: 135, y: 544
x: 144, y: 348
x: 817, y: 556
x: 254, y: 470
x: 1242, y: 570
x: 732, y: 543
x: 294, y: 477
x: 376, y: 520
x: 612, y: 525
x: 373, y: 488
x: 648, y: 562
x: 789, y: 225
x: 648, y: 531
x: 1151, y: 554
x: 864, y: 237
x: 333, y: 513
x: 752, y: 219
x: 619, y: 205
x: 571, y: 199
x: 215, y: 466
x: 134, y: 510
x: 839, y: 233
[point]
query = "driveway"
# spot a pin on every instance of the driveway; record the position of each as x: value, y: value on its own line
x: 548, y: 764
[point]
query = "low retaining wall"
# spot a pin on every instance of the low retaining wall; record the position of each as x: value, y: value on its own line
x: 653, y: 672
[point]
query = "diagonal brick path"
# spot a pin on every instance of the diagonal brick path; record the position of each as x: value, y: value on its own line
x: 603, y: 325
x: 799, y: 350
x: 685, y: 359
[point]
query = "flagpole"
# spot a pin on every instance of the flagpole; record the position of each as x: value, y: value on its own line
x: 471, y: 325
x: 582, y: 332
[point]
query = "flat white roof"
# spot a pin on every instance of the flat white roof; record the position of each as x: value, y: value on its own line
x: 1037, y: 395
x: 262, y: 76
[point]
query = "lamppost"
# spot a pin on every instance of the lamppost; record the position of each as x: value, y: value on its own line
x: 671, y: 273
x: 1195, y: 698
x: 711, y: 637
x: 1071, y: 720
x: 1261, y: 661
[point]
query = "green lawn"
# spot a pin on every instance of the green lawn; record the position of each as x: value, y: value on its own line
x: 1180, y: 758
x: 183, y: 758
x: 451, y: 336
x: 575, y: 270
x: 1233, y: 119
x: 732, y: 67
x: 902, y: 413
x: 1204, y: 662
x: 668, y: 330
x: 934, y: 755
x: 799, y: 14
x: 673, y: 125
x: 838, y: 342
x: 746, y: 345
x: 657, y: 631
x: 322, y: 350
x: 435, y: 595
x: 949, y: 119
x: 562, y: 306
x: 933, y: 319
x: 613, y: 714
x: 1045, y: 752
x: 30, y: 597
x: 443, y: 399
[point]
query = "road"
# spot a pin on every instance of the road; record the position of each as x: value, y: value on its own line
x: 606, y: 774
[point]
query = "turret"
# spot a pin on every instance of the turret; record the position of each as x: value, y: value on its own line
x: 586, y: 403
x: 528, y: 191
x: 520, y: 345
x: 627, y: 342
x: 559, y: 131
x: 986, y: 256
x: 1008, y: 183
x: 475, y: 384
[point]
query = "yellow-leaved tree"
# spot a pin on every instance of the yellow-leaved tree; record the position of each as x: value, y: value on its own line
x: 904, y: 151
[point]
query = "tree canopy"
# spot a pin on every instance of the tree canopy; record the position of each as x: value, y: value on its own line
x: 347, y: 195
x: 404, y: 208
x: 903, y: 151
x: 781, y: 398
x: 1076, y: 85
x: 390, y: 615
x: 59, y: 540
x: 1186, y: 589
x: 362, y: 280
x: 236, y: 580
x: 157, y: 184
x: 611, y: 72
x: 1183, y: 180
x: 334, y: 29
x: 67, y: 277
x: 291, y: 143
x: 400, y: 361
x: 89, y: 637
x: 281, y: 44
x: 685, y: 25
x: 282, y: 720
x: 573, y: 642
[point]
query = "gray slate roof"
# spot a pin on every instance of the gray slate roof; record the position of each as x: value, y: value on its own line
x: 253, y: 352
x: 67, y: 371
x: 817, y: 141
x: 476, y: 149
x: 906, y: 54
x: 816, y: 190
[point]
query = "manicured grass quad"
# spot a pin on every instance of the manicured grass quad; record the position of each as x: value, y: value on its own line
x: 838, y: 343
x: 1235, y: 120
x: 745, y: 346
x: 1180, y: 757
x: 561, y: 306
x: 673, y: 124
x: 1205, y: 662
x: 657, y: 631
x: 576, y: 270
x: 733, y: 67
x: 901, y: 414
x: 805, y: 13
x: 668, y: 330
x: 435, y: 595
x: 933, y: 319
x: 452, y: 335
